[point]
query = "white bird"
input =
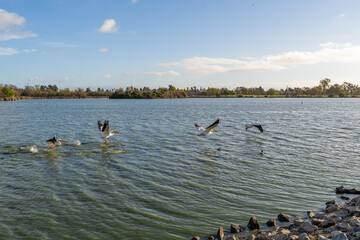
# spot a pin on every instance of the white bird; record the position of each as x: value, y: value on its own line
x: 104, y: 128
x: 53, y: 142
x: 250, y: 125
x: 208, y: 130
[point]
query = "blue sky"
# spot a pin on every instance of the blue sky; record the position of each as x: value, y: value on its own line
x: 204, y: 43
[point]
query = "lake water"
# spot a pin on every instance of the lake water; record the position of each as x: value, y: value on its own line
x: 156, y: 179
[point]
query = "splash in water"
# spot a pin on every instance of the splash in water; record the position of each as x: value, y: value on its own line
x: 33, y: 149
x: 77, y: 142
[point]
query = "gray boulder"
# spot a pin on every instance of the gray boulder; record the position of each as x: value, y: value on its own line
x: 307, y: 227
x: 283, y: 217
x: 327, y: 223
x: 236, y: 228
x: 271, y: 222
x: 303, y: 236
x: 339, y: 236
x: 253, y: 224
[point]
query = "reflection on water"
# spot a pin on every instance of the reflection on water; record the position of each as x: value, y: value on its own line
x: 158, y: 176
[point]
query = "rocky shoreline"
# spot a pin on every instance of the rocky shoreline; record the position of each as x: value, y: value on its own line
x: 337, y: 221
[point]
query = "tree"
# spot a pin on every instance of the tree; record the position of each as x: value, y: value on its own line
x: 7, y: 91
x: 325, y: 83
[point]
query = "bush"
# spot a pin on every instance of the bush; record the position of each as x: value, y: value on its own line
x: 8, y: 92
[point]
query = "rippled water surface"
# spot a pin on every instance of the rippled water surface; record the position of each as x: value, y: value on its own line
x: 156, y: 179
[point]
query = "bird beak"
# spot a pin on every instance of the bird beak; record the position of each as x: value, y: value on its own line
x: 115, y: 131
x: 214, y: 130
x: 60, y: 140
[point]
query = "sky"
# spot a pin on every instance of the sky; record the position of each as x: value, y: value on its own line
x: 155, y: 43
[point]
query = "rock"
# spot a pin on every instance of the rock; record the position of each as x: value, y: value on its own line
x: 321, y: 237
x: 354, y: 221
x: 307, y: 227
x: 293, y: 237
x: 298, y: 222
x: 196, y: 238
x: 327, y: 223
x: 343, y: 226
x: 230, y: 237
x: 339, y: 236
x: 263, y: 236
x: 332, y: 202
x: 320, y: 215
x: 341, y: 190
x: 344, y: 197
x: 332, y: 208
x: 211, y: 238
x: 250, y: 237
x: 357, y: 234
x: 303, y: 236
x: 283, y: 217
x: 236, y: 228
x: 310, y: 214
x: 342, y: 213
x: 271, y: 222
x: 220, y: 233
x: 253, y: 223
x: 316, y: 221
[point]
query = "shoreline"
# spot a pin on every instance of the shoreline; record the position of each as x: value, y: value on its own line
x: 16, y: 98
x: 337, y: 221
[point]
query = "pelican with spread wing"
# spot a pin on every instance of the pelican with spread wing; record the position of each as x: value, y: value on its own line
x: 104, y: 128
x: 53, y: 142
x: 251, y: 125
x: 209, y: 130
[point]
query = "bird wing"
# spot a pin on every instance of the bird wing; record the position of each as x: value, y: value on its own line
x: 212, y: 125
x: 105, y: 128
x: 100, y: 125
x: 259, y: 127
x: 51, y: 140
x: 197, y: 126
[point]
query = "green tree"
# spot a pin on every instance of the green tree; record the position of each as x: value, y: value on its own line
x: 7, y: 91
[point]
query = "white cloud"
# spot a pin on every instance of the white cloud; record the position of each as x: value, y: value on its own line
x: 8, y: 51
x: 64, y: 79
x: 102, y: 50
x: 328, y: 52
x: 162, y: 74
x: 134, y: 1
x: 341, y: 16
x: 8, y: 24
x: 36, y: 79
x: 109, y: 26
x: 107, y: 76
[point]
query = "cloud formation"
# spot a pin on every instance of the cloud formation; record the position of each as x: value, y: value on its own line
x: 109, y: 26
x: 107, y: 76
x: 9, y: 22
x: 36, y: 79
x: 134, y: 1
x: 162, y: 74
x: 328, y: 52
x: 8, y: 51
x: 102, y: 50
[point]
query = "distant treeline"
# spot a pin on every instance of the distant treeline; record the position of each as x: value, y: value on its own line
x: 324, y: 89
x: 146, y: 92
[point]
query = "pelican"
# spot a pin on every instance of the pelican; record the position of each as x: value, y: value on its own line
x: 104, y: 128
x: 53, y: 142
x: 250, y: 125
x: 208, y: 130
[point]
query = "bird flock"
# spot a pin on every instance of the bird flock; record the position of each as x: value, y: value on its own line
x: 104, y: 128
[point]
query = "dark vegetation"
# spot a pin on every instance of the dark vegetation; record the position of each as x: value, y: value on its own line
x: 324, y: 89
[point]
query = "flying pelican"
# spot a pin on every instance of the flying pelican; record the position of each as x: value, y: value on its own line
x: 208, y: 130
x: 53, y: 142
x: 250, y: 125
x: 104, y: 128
